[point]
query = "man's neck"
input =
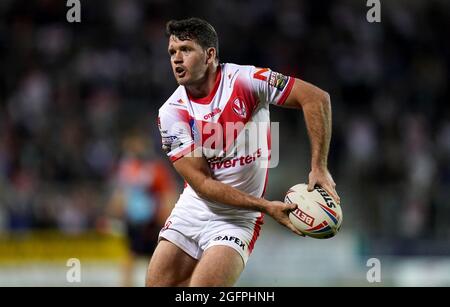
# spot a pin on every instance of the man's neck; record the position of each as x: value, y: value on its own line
x: 206, y: 85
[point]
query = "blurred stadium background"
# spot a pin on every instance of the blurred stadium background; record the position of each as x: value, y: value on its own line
x: 71, y: 92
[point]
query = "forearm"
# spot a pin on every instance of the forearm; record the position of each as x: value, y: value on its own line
x: 318, y: 123
x: 217, y: 191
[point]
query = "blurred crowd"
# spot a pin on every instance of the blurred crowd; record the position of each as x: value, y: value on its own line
x: 70, y: 93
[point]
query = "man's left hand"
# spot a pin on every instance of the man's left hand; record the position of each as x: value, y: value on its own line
x: 322, y: 177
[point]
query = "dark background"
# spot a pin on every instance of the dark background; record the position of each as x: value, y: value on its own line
x: 70, y: 92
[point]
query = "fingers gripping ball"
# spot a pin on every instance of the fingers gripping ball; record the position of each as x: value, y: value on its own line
x: 318, y: 215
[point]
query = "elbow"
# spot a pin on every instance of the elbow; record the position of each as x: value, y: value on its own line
x: 324, y: 100
x: 325, y: 97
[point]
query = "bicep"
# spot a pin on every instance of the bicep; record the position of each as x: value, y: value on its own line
x: 302, y: 93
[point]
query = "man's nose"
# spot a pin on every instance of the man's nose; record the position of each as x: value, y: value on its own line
x: 177, y: 58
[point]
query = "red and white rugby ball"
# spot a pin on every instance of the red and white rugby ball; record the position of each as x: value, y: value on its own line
x: 318, y: 215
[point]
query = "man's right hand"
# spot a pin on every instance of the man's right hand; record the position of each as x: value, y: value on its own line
x: 196, y: 172
x: 279, y: 211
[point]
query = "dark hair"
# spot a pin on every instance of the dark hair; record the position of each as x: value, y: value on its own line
x: 194, y: 29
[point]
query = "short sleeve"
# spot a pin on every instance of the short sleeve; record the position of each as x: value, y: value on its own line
x: 176, y: 134
x: 270, y: 86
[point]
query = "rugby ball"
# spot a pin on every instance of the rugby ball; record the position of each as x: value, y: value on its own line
x: 317, y: 215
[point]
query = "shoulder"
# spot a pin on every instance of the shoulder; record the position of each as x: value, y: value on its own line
x: 242, y: 75
x: 176, y: 104
x: 231, y: 70
x: 176, y: 101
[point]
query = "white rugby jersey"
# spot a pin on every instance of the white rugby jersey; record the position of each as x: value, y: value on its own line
x: 230, y: 128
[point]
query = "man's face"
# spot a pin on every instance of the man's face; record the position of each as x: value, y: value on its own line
x: 188, y: 59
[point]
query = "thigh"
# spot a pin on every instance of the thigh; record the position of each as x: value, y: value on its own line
x: 220, y: 266
x: 169, y: 266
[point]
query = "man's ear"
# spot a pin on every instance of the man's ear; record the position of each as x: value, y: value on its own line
x: 210, y: 55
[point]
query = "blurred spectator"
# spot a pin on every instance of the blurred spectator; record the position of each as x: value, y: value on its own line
x: 143, y: 197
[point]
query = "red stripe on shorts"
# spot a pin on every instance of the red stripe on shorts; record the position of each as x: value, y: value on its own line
x: 256, y: 229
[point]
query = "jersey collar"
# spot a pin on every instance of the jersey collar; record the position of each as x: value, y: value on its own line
x: 207, y: 99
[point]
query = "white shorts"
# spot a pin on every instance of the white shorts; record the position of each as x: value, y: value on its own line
x: 195, y: 232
